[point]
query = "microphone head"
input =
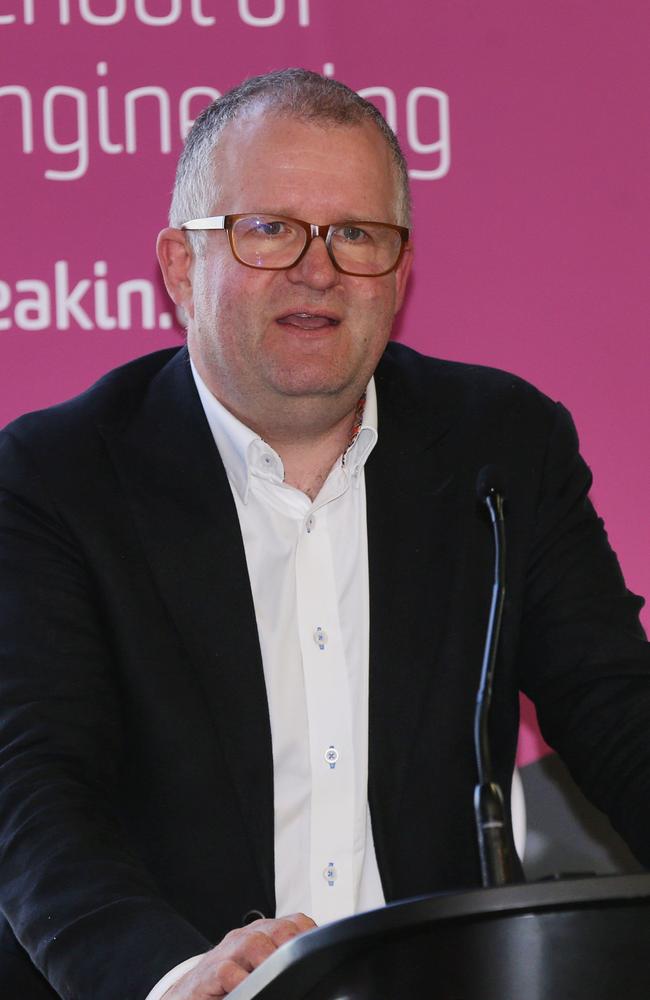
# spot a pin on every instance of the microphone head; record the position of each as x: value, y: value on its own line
x: 489, y: 482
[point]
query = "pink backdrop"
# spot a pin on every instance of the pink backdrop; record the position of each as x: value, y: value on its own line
x: 526, y: 129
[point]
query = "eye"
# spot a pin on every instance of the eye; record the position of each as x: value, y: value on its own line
x: 352, y: 234
x: 262, y: 227
x: 274, y: 228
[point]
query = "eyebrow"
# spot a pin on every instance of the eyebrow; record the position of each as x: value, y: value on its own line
x: 334, y: 222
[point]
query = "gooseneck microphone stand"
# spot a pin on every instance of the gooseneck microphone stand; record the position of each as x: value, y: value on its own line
x: 494, y: 844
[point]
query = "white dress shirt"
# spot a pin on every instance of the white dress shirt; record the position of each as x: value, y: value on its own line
x: 308, y: 568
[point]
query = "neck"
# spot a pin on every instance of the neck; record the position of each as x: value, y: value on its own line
x: 308, y: 459
x: 309, y: 433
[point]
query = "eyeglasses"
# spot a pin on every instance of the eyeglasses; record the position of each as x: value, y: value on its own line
x: 276, y: 243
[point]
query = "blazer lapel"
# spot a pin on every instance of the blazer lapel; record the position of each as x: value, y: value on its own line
x: 173, y: 476
x: 411, y: 490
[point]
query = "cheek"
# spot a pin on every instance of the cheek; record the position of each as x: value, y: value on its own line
x: 378, y: 299
x: 376, y: 318
x: 230, y: 312
x: 216, y: 296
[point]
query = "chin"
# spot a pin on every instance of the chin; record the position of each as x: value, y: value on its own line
x: 324, y: 384
x: 323, y: 379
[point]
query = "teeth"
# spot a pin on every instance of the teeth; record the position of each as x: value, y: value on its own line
x: 307, y: 320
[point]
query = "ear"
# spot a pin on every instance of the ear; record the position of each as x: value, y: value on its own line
x: 175, y: 259
x: 402, y: 274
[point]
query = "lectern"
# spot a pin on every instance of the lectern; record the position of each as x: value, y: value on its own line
x: 577, y: 939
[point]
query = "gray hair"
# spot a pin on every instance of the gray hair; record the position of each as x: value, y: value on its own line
x: 297, y: 93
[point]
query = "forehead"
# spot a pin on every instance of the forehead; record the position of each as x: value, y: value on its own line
x: 319, y: 172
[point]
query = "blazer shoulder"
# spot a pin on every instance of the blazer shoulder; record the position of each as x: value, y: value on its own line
x: 60, y: 452
x: 111, y: 400
x: 433, y: 384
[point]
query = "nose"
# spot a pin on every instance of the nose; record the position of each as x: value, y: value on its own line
x: 315, y: 268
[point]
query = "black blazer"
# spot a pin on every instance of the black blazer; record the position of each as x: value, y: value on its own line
x: 136, y: 799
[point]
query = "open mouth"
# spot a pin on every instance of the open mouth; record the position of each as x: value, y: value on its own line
x: 308, y: 320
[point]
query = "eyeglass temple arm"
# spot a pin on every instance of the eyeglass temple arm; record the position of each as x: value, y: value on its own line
x: 211, y: 222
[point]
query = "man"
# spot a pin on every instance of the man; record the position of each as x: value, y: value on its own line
x: 246, y: 588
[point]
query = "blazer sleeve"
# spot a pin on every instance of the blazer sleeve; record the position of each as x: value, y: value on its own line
x: 584, y: 660
x: 78, y: 899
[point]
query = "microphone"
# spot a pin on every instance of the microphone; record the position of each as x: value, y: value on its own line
x: 490, y: 483
x: 498, y: 866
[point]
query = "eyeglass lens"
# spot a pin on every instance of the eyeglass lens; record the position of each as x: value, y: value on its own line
x: 274, y: 242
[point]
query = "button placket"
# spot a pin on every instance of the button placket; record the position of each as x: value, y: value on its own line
x: 330, y: 724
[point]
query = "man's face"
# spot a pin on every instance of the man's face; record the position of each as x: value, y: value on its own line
x: 263, y: 339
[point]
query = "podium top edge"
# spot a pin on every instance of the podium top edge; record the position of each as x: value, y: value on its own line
x: 553, y: 894
x: 512, y: 900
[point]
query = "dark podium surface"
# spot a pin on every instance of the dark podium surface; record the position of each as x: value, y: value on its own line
x: 578, y: 939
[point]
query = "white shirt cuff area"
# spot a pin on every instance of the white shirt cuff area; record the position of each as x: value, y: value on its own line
x: 172, y: 977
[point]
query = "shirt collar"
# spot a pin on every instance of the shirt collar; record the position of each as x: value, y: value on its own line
x: 365, y: 440
x: 232, y: 438
x: 240, y: 447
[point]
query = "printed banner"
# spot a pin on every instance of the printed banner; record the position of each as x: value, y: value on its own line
x: 525, y: 126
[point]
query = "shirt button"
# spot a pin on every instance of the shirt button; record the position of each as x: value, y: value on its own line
x: 310, y: 524
x: 320, y: 637
x: 330, y: 873
x: 331, y: 756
